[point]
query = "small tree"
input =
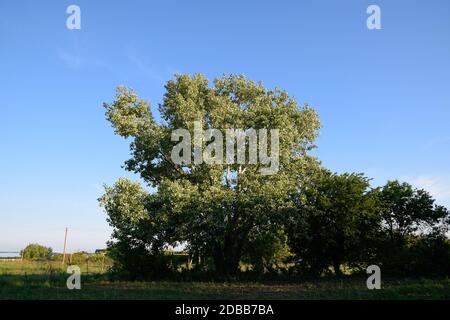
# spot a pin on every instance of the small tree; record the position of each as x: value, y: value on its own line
x: 36, y: 251
x: 413, y: 238
x: 337, y: 216
x: 407, y: 210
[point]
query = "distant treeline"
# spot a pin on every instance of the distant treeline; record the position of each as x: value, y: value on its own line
x: 37, y: 252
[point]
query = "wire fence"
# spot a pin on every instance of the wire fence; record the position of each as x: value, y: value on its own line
x: 15, y: 265
x: 10, y: 255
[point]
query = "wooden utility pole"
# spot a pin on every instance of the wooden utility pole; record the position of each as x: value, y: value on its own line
x: 64, y: 252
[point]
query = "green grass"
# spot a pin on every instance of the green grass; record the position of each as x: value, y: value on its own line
x: 44, y: 268
x: 37, y: 280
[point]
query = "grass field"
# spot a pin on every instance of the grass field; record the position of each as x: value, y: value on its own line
x: 43, y: 280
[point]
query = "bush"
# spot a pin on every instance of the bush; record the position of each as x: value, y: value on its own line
x: 137, y: 263
x: 431, y: 256
x: 78, y: 258
x: 36, y: 251
x: 416, y: 256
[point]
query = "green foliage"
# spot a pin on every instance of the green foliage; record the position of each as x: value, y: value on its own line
x: 136, y: 252
x: 137, y: 263
x: 267, y: 250
x: 424, y: 255
x: 335, y: 221
x: 430, y: 256
x: 406, y: 210
x: 79, y: 258
x: 413, y: 240
x: 211, y: 208
x: 100, y: 258
x: 36, y: 251
x: 227, y: 214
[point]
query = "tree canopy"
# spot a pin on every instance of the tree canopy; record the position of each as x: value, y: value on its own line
x: 213, y: 208
x: 229, y: 212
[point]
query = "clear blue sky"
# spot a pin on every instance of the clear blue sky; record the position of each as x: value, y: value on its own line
x: 383, y: 95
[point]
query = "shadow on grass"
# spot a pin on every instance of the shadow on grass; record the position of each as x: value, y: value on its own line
x: 101, y: 286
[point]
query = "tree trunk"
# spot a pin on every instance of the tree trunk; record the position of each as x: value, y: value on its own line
x: 337, y: 268
x: 227, y: 257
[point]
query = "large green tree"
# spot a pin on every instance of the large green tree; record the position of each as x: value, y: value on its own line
x: 211, y: 208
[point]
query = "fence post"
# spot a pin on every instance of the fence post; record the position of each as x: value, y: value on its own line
x: 103, y: 262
